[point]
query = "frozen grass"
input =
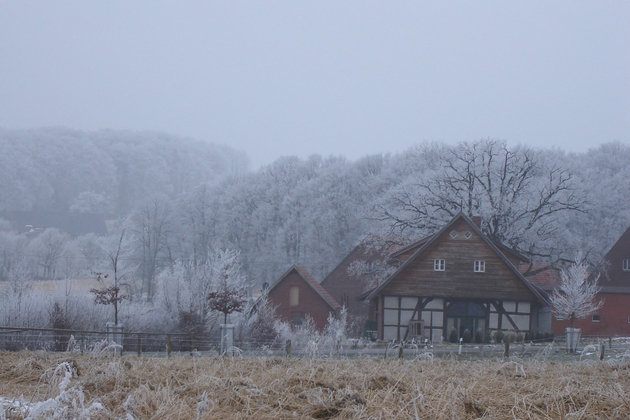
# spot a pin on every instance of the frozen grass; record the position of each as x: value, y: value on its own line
x: 105, y: 387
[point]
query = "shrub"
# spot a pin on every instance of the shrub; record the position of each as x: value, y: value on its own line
x: 452, y: 337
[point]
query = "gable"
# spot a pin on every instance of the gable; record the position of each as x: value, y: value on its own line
x: 616, y: 275
x: 310, y: 290
x: 460, y: 244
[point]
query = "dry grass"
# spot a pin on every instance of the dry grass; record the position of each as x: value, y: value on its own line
x: 278, y: 388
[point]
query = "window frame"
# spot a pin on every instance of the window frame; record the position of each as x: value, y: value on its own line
x: 479, y: 266
x: 439, y: 264
x: 596, y: 318
x: 294, y: 299
x: 625, y: 265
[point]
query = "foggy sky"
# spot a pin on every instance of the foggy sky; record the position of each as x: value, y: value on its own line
x: 349, y: 78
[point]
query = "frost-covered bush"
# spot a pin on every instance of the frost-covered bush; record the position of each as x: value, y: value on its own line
x: 70, y: 403
x: 308, y: 339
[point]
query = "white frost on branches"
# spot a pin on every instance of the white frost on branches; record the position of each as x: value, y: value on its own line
x: 575, y: 296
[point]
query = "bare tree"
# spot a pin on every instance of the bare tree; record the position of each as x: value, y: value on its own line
x: 521, y: 194
x: 575, y: 297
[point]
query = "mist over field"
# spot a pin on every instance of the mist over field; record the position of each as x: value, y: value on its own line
x: 170, y: 205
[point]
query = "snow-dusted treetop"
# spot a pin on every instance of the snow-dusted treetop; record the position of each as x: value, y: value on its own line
x: 575, y: 298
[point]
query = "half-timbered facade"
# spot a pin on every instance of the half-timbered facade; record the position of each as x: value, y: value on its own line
x: 456, y: 284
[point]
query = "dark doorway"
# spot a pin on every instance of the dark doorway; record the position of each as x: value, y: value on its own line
x: 466, y: 320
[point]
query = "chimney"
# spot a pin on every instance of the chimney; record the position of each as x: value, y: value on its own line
x: 477, y: 221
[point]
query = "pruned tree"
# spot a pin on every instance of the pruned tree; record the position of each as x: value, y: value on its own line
x: 227, y: 301
x: 230, y: 293
x: 113, y: 294
x: 576, y: 295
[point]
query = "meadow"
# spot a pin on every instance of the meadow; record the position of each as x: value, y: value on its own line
x: 101, y: 386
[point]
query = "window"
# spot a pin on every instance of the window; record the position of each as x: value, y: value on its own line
x: 595, y: 318
x: 480, y: 266
x: 467, y: 235
x: 625, y: 265
x: 438, y: 265
x: 297, y: 318
x: 453, y: 234
x: 294, y: 296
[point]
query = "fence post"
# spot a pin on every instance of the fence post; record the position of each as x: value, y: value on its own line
x: 139, y: 344
x: 192, y: 343
x: 610, y: 343
x: 115, y: 336
x: 227, y: 337
x: 506, y: 350
x: 602, y: 349
x: 169, y: 345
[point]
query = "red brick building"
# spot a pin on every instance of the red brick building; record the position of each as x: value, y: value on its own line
x: 297, y: 294
x: 613, y: 318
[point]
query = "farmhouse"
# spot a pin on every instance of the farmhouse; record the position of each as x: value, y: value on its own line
x: 456, y: 284
x: 297, y: 294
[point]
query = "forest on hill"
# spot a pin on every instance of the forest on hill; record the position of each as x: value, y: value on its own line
x: 110, y: 172
x: 175, y: 203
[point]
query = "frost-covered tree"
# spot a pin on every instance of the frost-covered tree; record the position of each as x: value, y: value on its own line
x: 576, y: 295
x: 49, y: 248
x: 152, y: 227
x: 522, y: 194
x: 185, y: 286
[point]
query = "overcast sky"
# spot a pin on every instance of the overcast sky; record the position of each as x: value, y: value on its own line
x: 329, y: 77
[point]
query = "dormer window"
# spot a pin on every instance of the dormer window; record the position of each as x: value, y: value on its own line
x: 625, y: 266
x: 480, y: 266
x: 439, y: 265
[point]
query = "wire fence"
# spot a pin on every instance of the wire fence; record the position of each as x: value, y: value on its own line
x: 60, y: 340
x: 163, y: 344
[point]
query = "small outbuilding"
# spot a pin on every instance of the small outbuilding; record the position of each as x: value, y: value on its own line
x: 296, y: 294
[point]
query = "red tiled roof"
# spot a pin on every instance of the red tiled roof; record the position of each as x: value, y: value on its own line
x: 318, y: 287
x: 545, y: 279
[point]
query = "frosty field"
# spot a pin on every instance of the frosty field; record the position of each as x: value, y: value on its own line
x: 72, y: 386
